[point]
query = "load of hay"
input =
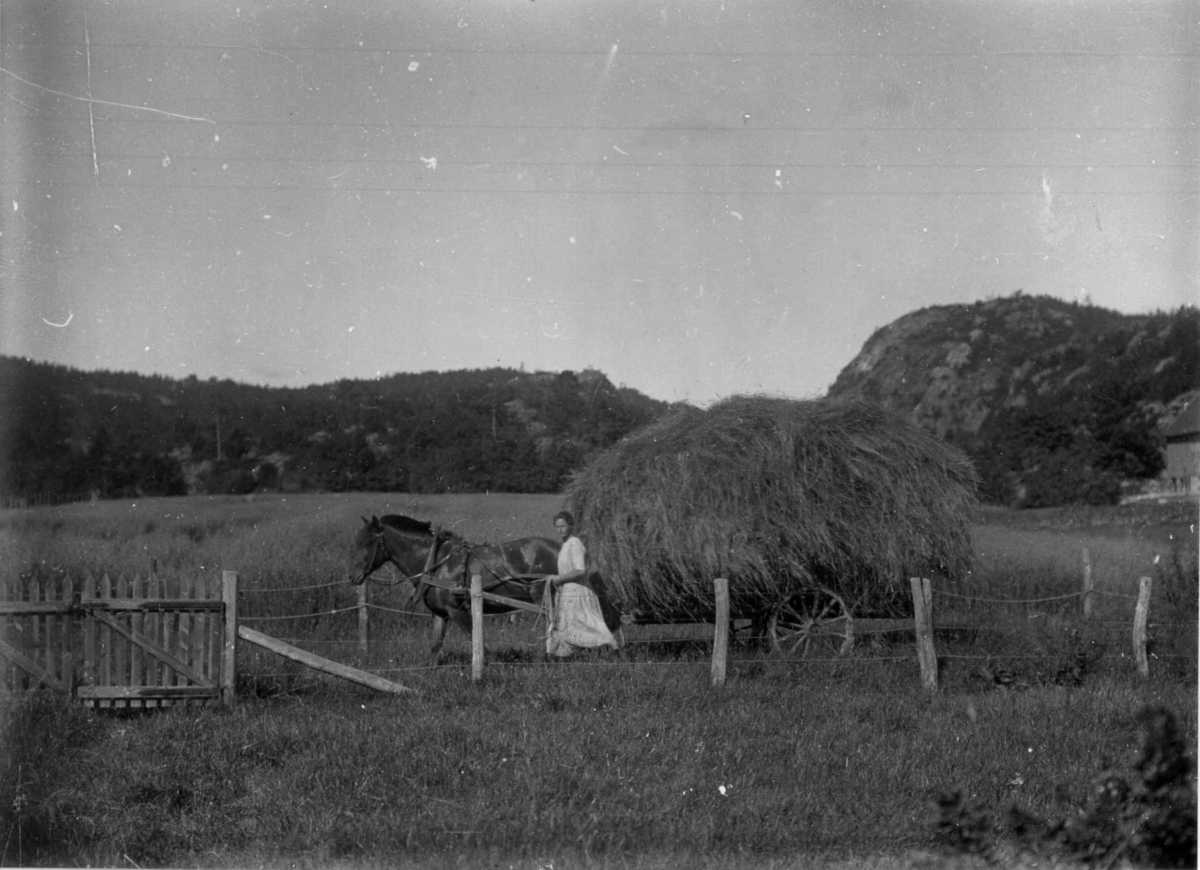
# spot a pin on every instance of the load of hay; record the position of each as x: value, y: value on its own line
x: 776, y: 496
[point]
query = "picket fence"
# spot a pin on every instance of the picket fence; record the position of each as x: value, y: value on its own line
x: 136, y: 643
x: 116, y: 642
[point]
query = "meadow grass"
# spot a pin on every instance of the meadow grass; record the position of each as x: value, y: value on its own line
x: 587, y: 760
x: 253, y: 535
x: 1027, y: 563
x: 601, y: 761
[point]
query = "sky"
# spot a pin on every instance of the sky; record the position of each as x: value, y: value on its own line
x: 695, y: 198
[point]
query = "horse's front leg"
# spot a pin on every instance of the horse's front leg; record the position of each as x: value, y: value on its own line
x: 462, y: 618
x: 438, y: 637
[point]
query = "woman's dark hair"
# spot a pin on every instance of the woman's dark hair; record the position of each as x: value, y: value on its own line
x: 565, y: 515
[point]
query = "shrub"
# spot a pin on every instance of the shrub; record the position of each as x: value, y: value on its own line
x: 1145, y: 816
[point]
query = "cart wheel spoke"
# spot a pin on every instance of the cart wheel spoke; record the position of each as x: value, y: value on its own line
x: 813, y: 623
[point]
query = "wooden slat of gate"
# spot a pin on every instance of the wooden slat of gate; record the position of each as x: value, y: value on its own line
x: 87, y: 594
x: 154, y: 630
x: 171, y: 676
x: 177, y: 591
x: 156, y: 588
x: 137, y: 670
x: 152, y: 619
x: 184, y: 634
x: 187, y: 649
x: 215, y: 633
x: 48, y: 648
x: 183, y: 618
x: 8, y: 629
x: 121, y: 670
x: 165, y: 630
x: 200, y: 652
x: 150, y: 665
x: 35, y: 631
x: 14, y: 629
x: 70, y: 654
x: 24, y: 630
x: 104, y: 643
x: 187, y: 625
x: 8, y: 671
x: 200, y: 635
x: 174, y: 590
x: 53, y: 631
x: 61, y: 625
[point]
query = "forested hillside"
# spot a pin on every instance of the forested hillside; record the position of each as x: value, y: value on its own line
x: 68, y: 432
x: 1055, y: 402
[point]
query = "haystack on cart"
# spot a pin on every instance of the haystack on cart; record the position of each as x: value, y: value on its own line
x: 814, y: 511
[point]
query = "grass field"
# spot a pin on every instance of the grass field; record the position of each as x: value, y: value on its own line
x: 608, y: 760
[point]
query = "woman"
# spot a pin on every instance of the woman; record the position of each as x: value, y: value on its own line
x: 577, y: 620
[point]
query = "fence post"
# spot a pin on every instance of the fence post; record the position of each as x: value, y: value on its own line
x: 476, y: 627
x: 362, y: 617
x: 1089, y: 585
x: 1141, y: 616
x: 229, y: 589
x: 922, y: 597
x: 720, y: 631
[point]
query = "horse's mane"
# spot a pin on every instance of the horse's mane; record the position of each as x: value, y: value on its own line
x: 401, y: 523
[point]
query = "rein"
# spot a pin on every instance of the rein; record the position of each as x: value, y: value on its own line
x: 432, y: 564
x: 426, y: 572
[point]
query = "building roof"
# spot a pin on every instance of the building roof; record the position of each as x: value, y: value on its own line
x: 1187, y: 423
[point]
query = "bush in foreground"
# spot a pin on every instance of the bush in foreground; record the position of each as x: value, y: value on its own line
x: 1145, y: 816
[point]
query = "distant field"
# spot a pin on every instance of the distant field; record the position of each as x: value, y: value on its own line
x: 305, y: 536
x: 601, y: 761
x: 280, y: 541
x: 1166, y: 522
x: 238, y: 533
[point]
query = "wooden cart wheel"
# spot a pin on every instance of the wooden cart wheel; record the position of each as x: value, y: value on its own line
x: 814, y: 623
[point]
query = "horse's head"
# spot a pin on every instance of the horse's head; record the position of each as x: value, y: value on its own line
x: 411, y: 545
x: 370, y: 539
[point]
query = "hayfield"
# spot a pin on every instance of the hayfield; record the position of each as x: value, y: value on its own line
x: 606, y: 760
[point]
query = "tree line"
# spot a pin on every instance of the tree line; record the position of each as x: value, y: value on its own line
x: 123, y: 435
x: 1095, y: 387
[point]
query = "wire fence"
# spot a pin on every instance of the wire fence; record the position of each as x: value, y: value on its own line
x: 1017, y: 640
x: 523, y: 646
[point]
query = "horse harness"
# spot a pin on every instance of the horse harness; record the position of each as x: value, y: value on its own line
x: 426, y: 574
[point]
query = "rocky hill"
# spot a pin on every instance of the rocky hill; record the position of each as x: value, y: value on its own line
x: 1056, y: 402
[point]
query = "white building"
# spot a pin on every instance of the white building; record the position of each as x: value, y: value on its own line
x: 1182, y: 474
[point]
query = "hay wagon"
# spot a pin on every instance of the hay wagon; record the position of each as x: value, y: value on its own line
x: 816, y: 512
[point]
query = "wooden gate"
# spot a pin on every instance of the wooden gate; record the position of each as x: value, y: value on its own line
x: 145, y: 642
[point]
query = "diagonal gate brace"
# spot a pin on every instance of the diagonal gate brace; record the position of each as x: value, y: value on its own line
x: 306, y: 658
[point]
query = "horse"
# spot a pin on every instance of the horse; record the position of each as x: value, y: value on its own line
x: 439, y: 564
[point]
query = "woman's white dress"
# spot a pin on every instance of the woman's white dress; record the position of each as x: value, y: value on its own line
x: 577, y: 621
